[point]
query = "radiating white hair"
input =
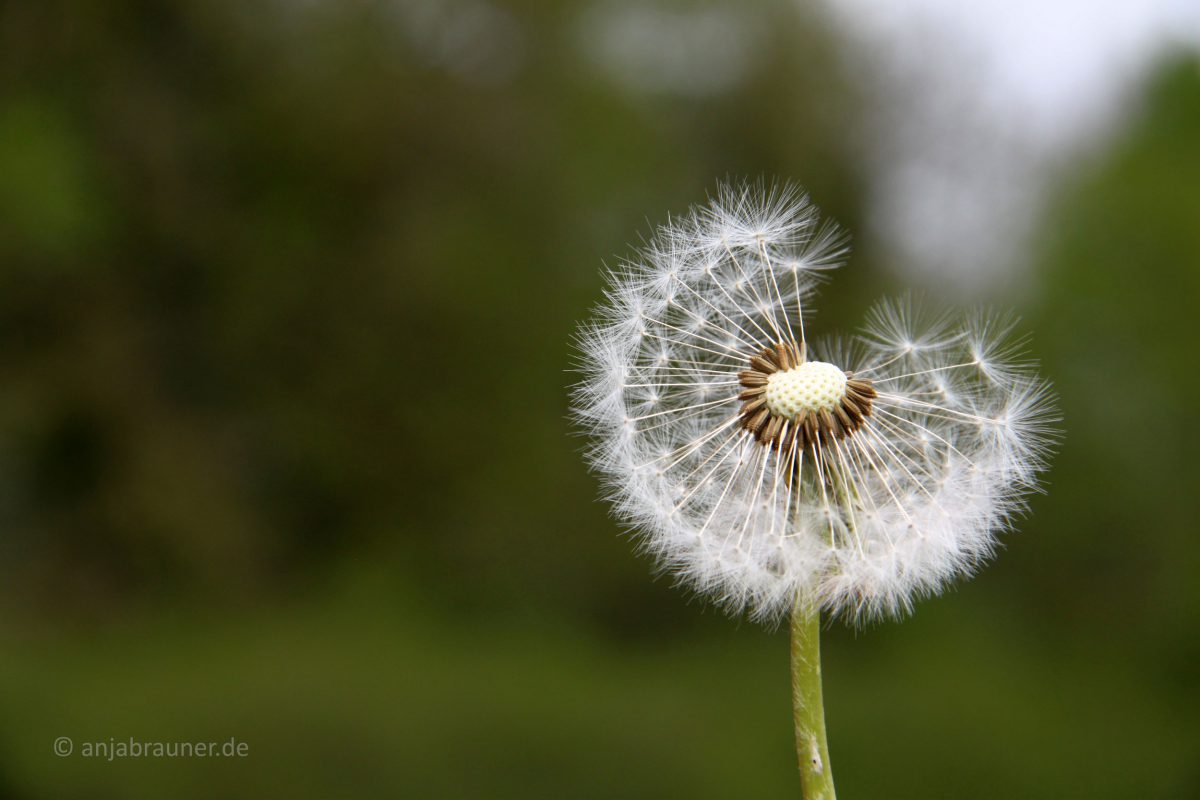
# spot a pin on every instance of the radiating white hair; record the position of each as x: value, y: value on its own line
x: 857, y: 522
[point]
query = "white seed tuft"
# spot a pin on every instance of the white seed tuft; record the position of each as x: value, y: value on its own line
x: 907, y: 498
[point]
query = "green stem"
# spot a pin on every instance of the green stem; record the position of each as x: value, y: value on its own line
x: 808, y: 708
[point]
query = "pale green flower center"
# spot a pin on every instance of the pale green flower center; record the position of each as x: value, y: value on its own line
x: 812, y: 387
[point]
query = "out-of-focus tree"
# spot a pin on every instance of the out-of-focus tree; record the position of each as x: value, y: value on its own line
x: 284, y: 283
x: 1116, y: 325
x: 1112, y: 579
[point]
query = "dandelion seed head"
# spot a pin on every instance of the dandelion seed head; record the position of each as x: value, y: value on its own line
x: 858, y: 474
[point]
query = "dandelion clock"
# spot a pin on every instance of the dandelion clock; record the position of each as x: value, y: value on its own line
x: 782, y: 475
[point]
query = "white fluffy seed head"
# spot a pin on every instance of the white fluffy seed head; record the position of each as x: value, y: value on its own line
x: 861, y: 525
x: 813, y: 386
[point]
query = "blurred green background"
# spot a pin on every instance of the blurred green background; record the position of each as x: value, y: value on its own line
x: 286, y: 297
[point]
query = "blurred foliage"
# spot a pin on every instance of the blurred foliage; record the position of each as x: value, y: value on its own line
x: 282, y: 286
x: 286, y: 295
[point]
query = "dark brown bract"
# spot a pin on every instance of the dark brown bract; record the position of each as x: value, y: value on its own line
x: 807, y: 429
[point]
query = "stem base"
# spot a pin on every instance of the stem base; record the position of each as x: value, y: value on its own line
x: 808, y: 707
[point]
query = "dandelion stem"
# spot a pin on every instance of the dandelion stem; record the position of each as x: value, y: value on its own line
x: 808, y: 708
